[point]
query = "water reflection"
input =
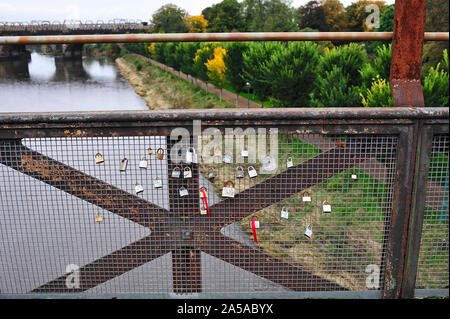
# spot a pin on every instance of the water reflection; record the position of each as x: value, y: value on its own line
x: 48, y: 84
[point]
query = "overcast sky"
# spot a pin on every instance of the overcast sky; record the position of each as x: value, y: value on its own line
x: 27, y: 10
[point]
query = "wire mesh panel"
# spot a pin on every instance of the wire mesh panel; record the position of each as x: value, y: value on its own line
x: 149, y: 214
x: 432, y: 272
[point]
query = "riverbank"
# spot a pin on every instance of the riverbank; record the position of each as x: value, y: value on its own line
x: 162, y: 90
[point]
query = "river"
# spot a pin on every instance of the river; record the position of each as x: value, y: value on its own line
x: 44, y: 84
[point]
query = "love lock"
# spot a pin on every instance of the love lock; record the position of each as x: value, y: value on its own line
x: 157, y: 183
x: 187, y: 173
x: 306, y: 196
x: 212, y: 173
x: 308, y: 232
x: 289, y: 162
x: 228, y: 191
x: 252, y: 172
x: 143, y: 163
x: 326, y: 207
x: 191, y: 155
x: 160, y: 154
x: 240, y: 172
x: 99, y: 158
x: 176, y: 173
x: 284, y: 213
x: 123, y: 165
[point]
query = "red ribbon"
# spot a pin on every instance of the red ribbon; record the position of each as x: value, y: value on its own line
x: 205, y: 201
x: 254, y: 231
x: 340, y: 143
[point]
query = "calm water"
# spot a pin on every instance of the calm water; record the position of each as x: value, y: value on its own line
x: 46, y: 85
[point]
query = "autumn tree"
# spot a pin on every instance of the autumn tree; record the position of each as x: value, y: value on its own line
x: 169, y: 19
x: 216, y: 68
x: 334, y: 14
x: 196, y: 24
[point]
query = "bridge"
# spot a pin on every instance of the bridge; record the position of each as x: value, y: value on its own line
x: 73, y: 27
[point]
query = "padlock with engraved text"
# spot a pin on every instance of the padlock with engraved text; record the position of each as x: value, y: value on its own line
x: 228, y: 191
x: 308, y: 232
x: 191, y: 155
x: 123, y: 164
x: 252, y: 172
x: 187, y: 172
x: 240, y: 172
x: 284, y: 213
x: 159, y: 153
x: 99, y: 158
x: 143, y: 163
x: 176, y: 173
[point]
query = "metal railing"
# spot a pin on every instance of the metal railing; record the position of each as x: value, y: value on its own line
x: 62, y: 207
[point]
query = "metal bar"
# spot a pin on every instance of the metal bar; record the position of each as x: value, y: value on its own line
x: 93, y: 190
x: 265, y: 265
x: 401, y: 208
x: 216, y: 37
x: 12, y: 120
x: 407, y: 49
x: 424, y: 148
x: 111, y: 266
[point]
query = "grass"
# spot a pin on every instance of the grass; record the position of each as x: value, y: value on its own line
x: 250, y: 96
x: 171, y: 91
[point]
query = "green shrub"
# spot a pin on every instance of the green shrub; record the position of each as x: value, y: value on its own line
x: 436, y: 84
x: 379, y: 94
x: 138, y: 64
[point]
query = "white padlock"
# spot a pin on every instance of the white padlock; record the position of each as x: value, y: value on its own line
x: 157, y: 183
x: 354, y: 176
x: 289, y: 162
x: 228, y: 191
x: 308, y: 232
x: 256, y: 223
x: 306, y: 196
x: 99, y: 158
x: 143, y: 163
x: 123, y: 165
x: 244, y: 153
x: 212, y: 173
x: 191, y: 155
x: 240, y: 172
x: 176, y: 173
x: 326, y: 207
x: 227, y: 159
x: 284, y: 213
x: 138, y: 188
x: 252, y: 172
x: 183, y: 192
x: 187, y: 173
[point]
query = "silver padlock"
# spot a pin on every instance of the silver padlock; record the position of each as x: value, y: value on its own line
x: 306, y: 196
x: 269, y: 164
x: 252, y: 172
x: 157, y: 183
x: 212, y: 173
x: 99, y: 158
x: 176, y: 173
x: 284, y: 213
x: 308, y: 232
x: 123, y: 164
x: 326, y: 207
x: 256, y: 222
x: 240, y: 172
x: 289, y: 162
x: 183, y: 192
x: 354, y: 176
x: 191, y: 155
x: 143, y: 163
x: 187, y: 173
x: 244, y: 153
x: 203, y: 210
x: 228, y: 191
x: 138, y: 188
x: 227, y: 159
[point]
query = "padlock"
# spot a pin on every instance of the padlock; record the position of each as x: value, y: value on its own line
x: 227, y: 158
x: 98, y: 218
x: 123, y: 164
x: 138, y: 188
x: 244, y: 153
x: 157, y: 183
x: 203, y: 210
x: 205, y: 191
x: 176, y: 173
x: 99, y: 158
x: 289, y: 162
x: 149, y: 151
x: 308, y: 232
x: 212, y: 173
x: 187, y: 173
x: 269, y: 164
x: 159, y: 153
x: 252, y: 172
x: 256, y: 220
x: 306, y: 196
x: 191, y: 155
x: 354, y: 176
x: 240, y: 172
x: 284, y: 213
x: 143, y: 163
x: 183, y: 192
x: 228, y: 191
x: 326, y: 207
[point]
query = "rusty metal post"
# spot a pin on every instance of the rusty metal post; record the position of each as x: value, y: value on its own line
x: 407, y: 49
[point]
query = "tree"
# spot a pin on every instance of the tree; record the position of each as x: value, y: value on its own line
x: 196, y: 24
x: 216, y: 68
x: 387, y: 19
x: 269, y: 16
x: 312, y: 16
x: 226, y: 16
x: 234, y: 61
x: 334, y: 15
x: 169, y: 19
